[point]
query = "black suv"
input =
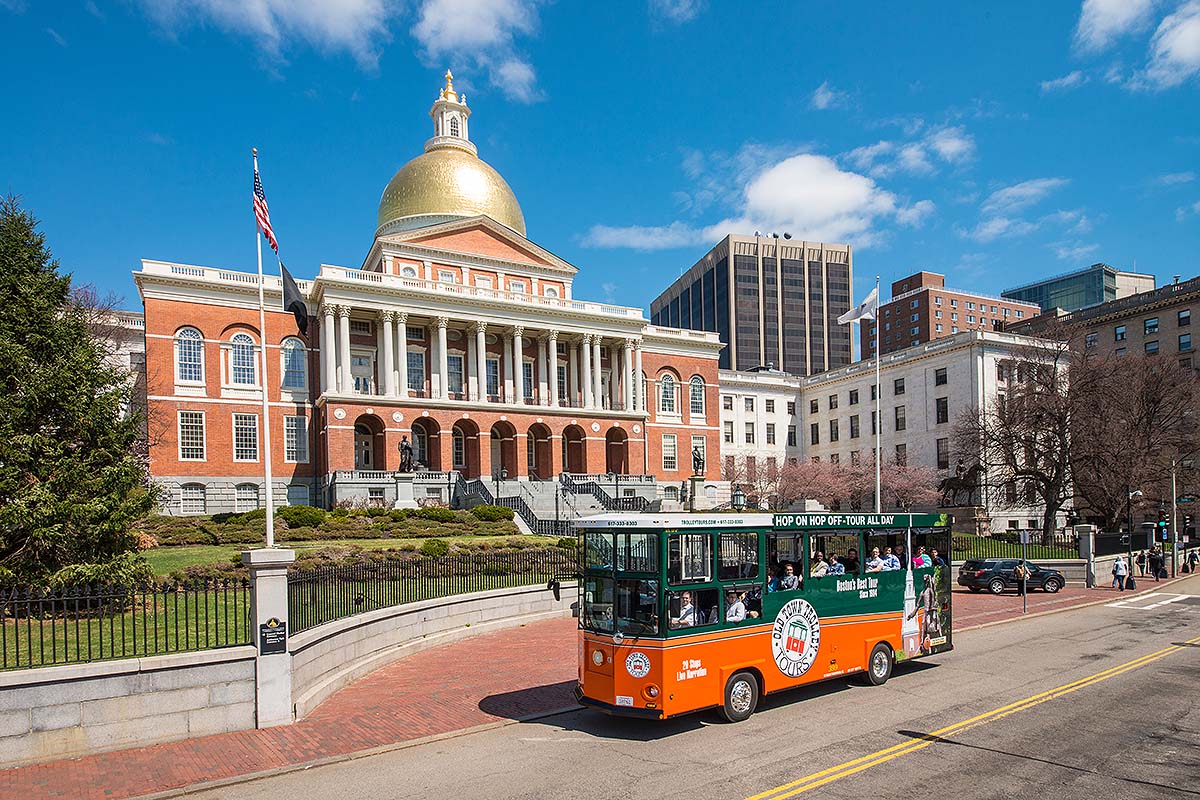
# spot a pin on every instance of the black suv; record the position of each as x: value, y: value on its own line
x: 996, y: 575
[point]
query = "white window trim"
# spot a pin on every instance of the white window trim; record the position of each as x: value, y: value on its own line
x: 179, y: 433
x: 257, y: 438
x: 203, y: 362
x: 283, y: 351
x: 307, y: 440
x: 227, y: 381
x: 675, y: 440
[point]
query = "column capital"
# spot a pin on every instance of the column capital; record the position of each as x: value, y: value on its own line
x: 328, y: 310
x: 518, y: 330
x: 479, y: 327
x: 442, y: 322
x: 629, y: 344
x: 587, y: 339
x: 401, y: 316
x: 637, y: 344
x: 552, y: 334
x: 597, y: 339
x: 343, y: 312
x: 386, y: 316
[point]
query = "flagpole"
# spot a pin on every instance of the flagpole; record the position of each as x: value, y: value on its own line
x: 262, y: 337
x: 878, y: 407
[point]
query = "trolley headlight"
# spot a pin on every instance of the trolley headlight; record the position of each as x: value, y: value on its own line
x: 650, y: 692
x: 597, y: 658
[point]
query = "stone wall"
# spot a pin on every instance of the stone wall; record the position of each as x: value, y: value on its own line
x: 326, y: 658
x: 71, y: 710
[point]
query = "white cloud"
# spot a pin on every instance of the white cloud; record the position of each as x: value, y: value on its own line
x: 913, y: 158
x: 1073, y: 251
x: 91, y: 7
x: 358, y: 27
x: 57, y: 37
x: 1021, y: 195
x: 677, y: 11
x: 1184, y: 212
x: 826, y: 97
x: 1175, y: 178
x: 1069, y: 81
x: 482, y: 32
x: 1174, y: 50
x: 952, y: 144
x: 1101, y: 22
x: 997, y: 227
x: 15, y: 6
x: 805, y: 195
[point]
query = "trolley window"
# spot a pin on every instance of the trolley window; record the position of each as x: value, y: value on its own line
x: 689, y: 558
x: 739, y: 556
x: 627, y: 605
x: 637, y: 552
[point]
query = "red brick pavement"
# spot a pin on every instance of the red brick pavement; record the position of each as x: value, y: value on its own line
x: 486, y: 679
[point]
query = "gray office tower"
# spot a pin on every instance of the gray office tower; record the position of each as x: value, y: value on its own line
x: 772, y: 300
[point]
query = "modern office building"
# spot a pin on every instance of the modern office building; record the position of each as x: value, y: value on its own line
x: 1155, y: 322
x: 922, y: 310
x: 458, y: 334
x: 772, y: 301
x: 1082, y: 288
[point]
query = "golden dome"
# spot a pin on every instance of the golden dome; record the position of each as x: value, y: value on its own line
x: 445, y: 183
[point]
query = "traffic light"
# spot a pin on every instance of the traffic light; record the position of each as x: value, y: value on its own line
x: 1162, y: 517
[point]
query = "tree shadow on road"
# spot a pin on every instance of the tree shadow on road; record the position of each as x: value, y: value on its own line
x: 929, y: 737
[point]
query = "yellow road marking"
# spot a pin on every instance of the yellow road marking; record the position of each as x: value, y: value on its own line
x: 848, y: 768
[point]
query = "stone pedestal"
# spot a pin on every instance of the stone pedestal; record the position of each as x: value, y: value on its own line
x: 404, y: 491
x: 270, y: 630
x: 697, y: 498
x: 970, y: 519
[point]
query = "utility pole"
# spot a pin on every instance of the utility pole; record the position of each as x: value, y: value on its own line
x: 1174, y: 521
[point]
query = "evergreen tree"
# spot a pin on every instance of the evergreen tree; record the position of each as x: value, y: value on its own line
x: 71, y: 481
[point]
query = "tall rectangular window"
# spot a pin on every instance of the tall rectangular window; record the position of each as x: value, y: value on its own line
x: 1150, y: 326
x: 854, y: 397
x: 854, y: 427
x: 833, y: 430
x: 770, y: 433
x: 770, y: 406
x: 898, y: 386
x: 791, y: 408
x: 527, y: 368
x: 295, y: 439
x: 814, y: 433
x: 1119, y: 333
x: 191, y: 435
x: 813, y: 408
x: 493, y: 376
x: 943, y: 410
x: 901, y: 420
x: 791, y: 436
x: 670, y: 456
x: 562, y: 383
x: 833, y: 401
x: 943, y: 454
x: 1185, y: 318
x: 454, y: 377
x: 939, y: 376
x: 902, y: 454
x: 728, y: 426
x: 749, y: 433
x: 245, y: 437
x: 750, y: 404
x: 1185, y: 342
x: 416, y: 370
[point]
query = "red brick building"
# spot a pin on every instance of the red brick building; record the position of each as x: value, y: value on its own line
x: 457, y: 332
x: 923, y: 309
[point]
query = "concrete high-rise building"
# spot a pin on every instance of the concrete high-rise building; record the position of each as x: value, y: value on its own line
x: 1082, y: 288
x: 922, y: 309
x: 772, y: 301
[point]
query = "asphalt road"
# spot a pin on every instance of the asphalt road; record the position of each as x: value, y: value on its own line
x: 1097, y: 702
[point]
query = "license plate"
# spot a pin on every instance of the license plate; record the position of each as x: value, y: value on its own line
x: 624, y: 700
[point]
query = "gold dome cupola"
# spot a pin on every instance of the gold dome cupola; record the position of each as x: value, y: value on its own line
x: 449, y: 180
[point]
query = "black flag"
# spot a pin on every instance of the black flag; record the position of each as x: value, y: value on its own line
x: 293, y: 300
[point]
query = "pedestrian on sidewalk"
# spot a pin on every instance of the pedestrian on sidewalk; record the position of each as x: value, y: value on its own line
x: 1141, y: 564
x: 1192, y: 560
x: 1021, y: 573
x: 1120, y: 571
x: 1155, y: 560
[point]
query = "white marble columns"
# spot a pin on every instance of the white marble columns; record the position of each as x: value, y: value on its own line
x: 627, y: 375
x: 597, y: 382
x: 345, y: 381
x: 639, y: 386
x: 552, y: 377
x: 443, y: 366
x: 402, y: 352
x: 586, y: 377
x: 386, y: 357
x: 480, y: 329
x: 328, y: 350
x: 518, y: 370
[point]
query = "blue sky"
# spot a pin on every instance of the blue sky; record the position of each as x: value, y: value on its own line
x: 996, y: 143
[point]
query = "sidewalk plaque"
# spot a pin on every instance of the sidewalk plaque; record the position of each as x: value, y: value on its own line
x: 272, y: 637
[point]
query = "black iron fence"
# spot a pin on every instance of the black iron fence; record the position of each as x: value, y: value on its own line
x: 1007, y: 544
x: 331, y: 593
x: 41, y: 627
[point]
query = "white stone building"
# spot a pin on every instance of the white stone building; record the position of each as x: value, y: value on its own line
x: 760, y: 419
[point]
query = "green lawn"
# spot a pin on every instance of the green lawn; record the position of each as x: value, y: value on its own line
x: 984, y: 547
x: 166, y: 560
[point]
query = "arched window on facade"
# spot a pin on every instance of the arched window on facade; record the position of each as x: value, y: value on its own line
x: 420, y: 445
x: 242, y: 363
x: 189, y: 356
x: 454, y: 129
x: 551, y: 291
x: 697, y: 396
x: 192, y: 499
x: 459, y: 443
x: 294, y: 358
x: 408, y: 272
x: 666, y: 394
x: 245, y: 497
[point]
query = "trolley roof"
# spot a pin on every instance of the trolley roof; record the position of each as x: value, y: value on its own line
x: 805, y: 521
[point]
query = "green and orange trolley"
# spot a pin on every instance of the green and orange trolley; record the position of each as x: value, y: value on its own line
x: 682, y: 612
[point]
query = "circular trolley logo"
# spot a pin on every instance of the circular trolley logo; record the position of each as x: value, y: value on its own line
x: 637, y: 664
x: 795, y: 638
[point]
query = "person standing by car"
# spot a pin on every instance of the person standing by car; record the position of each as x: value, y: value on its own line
x: 1021, y: 573
x: 1120, y: 571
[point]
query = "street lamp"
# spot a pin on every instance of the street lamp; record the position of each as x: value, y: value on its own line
x: 738, y: 498
x: 501, y: 474
x: 1129, y: 582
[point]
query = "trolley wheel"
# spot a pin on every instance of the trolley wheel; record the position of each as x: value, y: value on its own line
x: 741, y: 697
x: 1052, y: 585
x: 879, y: 665
x: 997, y: 586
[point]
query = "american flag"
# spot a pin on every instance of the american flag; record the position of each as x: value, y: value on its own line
x: 260, y: 211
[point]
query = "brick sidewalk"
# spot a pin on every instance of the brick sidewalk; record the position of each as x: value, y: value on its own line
x: 490, y: 678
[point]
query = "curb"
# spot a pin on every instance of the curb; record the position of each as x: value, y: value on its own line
x: 234, y: 780
x: 993, y: 623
